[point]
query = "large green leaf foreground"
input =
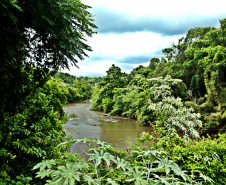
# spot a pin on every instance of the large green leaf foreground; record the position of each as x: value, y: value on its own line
x: 107, y: 166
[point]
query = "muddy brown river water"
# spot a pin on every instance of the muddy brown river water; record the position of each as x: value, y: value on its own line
x: 116, y: 130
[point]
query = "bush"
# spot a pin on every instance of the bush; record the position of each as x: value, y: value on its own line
x: 107, y: 104
x: 207, y: 156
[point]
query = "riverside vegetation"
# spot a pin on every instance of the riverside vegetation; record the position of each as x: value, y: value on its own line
x: 182, y: 95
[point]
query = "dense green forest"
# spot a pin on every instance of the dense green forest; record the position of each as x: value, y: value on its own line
x: 198, y: 60
x: 75, y: 88
x: 182, y: 95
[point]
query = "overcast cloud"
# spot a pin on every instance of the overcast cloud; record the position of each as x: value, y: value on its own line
x: 131, y: 32
x: 110, y: 21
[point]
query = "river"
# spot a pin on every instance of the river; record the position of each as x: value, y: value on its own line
x: 116, y: 130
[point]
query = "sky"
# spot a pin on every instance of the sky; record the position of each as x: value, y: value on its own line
x: 132, y: 32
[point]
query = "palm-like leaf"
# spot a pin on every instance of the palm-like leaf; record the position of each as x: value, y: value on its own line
x: 44, y: 173
x: 136, y: 175
x: 90, y: 180
x: 42, y: 165
x: 167, y: 164
x: 99, y: 156
x: 206, y: 178
x: 121, y: 163
x: 149, y: 152
x: 110, y: 181
x: 102, y: 144
x: 80, y: 164
x: 169, y: 180
x: 66, y: 175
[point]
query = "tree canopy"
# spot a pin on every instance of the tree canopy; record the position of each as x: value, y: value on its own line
x: 38, y: 37
x: 45, y: 33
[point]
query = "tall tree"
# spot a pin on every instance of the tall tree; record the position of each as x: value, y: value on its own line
x: 37, y: 38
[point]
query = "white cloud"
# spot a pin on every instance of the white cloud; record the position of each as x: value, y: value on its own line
x: 97, y: 68
x: 112, y: 48
x: 129, y: 44
x: 124, y: 49
x: 162, y: 7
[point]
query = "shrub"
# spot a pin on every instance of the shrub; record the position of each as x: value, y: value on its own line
x: 207, y: 156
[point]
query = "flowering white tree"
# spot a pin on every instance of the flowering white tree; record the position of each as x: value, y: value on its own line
x: 172, y: 114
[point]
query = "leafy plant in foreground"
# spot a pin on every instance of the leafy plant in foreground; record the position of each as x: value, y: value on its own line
x: 140, y: 167
x: 203, y: 157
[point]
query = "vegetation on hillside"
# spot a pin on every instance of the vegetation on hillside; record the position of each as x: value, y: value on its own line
x: 75, y: 88
x: 198, y: 60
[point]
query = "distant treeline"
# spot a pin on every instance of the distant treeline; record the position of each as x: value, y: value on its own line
x: 75, y: 88
x: 70, y: 79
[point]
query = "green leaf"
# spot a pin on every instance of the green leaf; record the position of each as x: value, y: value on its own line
x: 136, y: 175
x: 103, y: 144
x: 148, y: 152
x: 49, y: 21
x: 42, y: 165
x: 90, y: 180
x: 121, y: 163
x: 206, y: 178
x: 165, y: 180
x: 66, y: 174
x: 44, y: 173
x: 81, y: 164
x: 167, y: 164
x: 110, y: 181
x: 99, y: 156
